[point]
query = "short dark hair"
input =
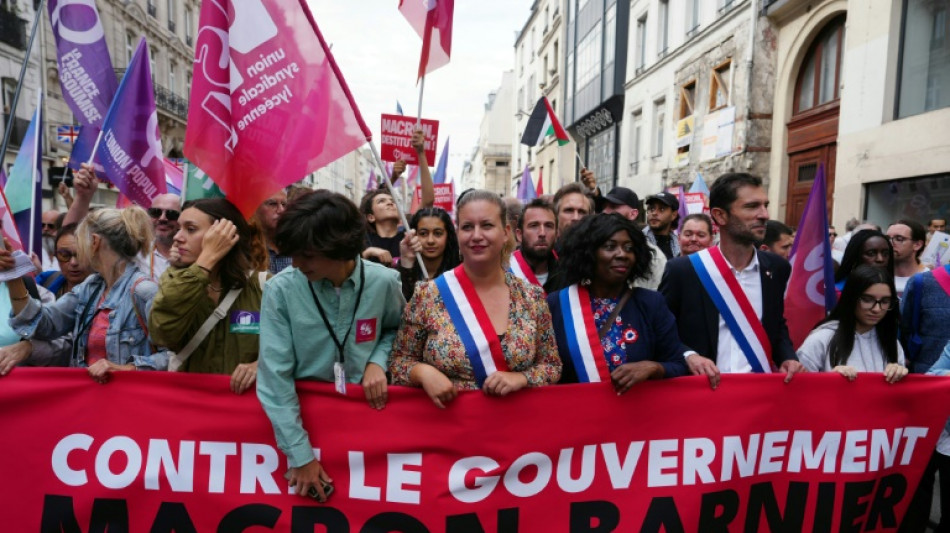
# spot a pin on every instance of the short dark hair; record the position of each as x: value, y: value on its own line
x: 774, y: 231
x: 917, y: 232
x: 571, y: 188
x: 537, y: 203
x: 366, y: 204
x: 931, y: 221
x: 324, y: 222
x: 725, y: 190
x: 702, y: 217
x: 578, y: 258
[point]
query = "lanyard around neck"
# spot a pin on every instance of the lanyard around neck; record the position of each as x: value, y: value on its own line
x: 326, y: 321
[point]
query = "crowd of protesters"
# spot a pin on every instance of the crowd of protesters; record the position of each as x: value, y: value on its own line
x: 501, y: 297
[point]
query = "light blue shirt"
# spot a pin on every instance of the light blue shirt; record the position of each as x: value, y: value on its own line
x: 295, y: 343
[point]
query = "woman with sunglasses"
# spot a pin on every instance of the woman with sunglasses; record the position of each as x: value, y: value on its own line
x: 211, y: 258
x: 433, y: 236
x: 107, y: 312
x: 860, y: 334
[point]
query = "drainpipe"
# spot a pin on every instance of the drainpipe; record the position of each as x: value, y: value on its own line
x: 750, y: 63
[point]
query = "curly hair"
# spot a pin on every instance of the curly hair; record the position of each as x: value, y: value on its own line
x: 239, y: 259
x: 324, y: 222
x: 578, y: 259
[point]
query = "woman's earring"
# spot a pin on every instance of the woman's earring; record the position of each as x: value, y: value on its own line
x: 585, y: 282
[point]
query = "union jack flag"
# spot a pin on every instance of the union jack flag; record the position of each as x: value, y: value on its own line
x: 67, y: 134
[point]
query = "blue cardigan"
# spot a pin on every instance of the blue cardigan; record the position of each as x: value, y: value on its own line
x: 934, y: 309
x: 647, y: 313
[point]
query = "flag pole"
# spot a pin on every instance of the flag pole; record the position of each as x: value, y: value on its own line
x: 38, y: 134
x: 19, y: 84
x: 95, y: 148
x: 402, y: 212
x: 422, y: 87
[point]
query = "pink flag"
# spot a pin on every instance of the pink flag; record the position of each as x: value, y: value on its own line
x: 811, y: 287
x: 7, y: 225
x: 432, y: 20
x: 266, y: 93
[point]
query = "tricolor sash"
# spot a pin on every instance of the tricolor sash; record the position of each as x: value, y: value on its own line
x: 734, y: 307
x: 520, y: 268
x: 583, y: 340
x: 472, y: 323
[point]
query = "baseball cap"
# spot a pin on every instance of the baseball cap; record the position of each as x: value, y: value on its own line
x: 666, y: 198
x: 623, y: 196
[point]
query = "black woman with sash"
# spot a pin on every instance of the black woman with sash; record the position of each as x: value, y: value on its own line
x: 607, y: 329
x: 476, y: 326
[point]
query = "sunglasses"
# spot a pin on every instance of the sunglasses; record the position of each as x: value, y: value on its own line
x: 65, y: 255
x: 170, y: 214
x: 49, y: 226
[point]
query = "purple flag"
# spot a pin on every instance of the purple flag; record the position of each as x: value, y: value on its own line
x: 85, y: 69
x: 371, y: 182
x: 130, y: 145
x: 441, y: 169
x: 683, y: 212
x: 526, y: 190
x: 811, y: 286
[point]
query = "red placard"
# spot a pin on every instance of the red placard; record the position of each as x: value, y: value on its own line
x: 396, y: 139
x: 163, y: 451
x: 444, y: 196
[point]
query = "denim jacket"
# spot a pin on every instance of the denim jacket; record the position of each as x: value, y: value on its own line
x: 127, y: 341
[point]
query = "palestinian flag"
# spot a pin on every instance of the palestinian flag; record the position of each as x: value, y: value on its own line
x: 543, y: 122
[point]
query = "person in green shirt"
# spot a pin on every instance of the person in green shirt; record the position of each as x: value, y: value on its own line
x: 332, y: 317
x: 211, y: 256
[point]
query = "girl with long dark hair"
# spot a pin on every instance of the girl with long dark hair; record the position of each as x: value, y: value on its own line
x: 435, y: 239
x: 860, y: 334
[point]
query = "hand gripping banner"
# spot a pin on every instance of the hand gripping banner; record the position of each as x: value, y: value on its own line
x: 162, y: 452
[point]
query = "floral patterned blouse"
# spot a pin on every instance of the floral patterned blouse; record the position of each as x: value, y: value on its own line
x: 427, y: 335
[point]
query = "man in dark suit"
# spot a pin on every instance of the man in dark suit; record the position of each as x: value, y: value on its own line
x: 738, y: 204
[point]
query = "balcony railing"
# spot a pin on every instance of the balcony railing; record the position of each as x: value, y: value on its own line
x: 12, y: 30
x: 165, y: 99
x: 18, y: 130
x: 171, y: 102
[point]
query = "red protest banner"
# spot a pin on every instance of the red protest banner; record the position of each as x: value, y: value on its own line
x: 166, y: 451
x: 444, y: 196
x: 396, y: 139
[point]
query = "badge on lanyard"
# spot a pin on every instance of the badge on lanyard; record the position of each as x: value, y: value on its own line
x: 339, y: 377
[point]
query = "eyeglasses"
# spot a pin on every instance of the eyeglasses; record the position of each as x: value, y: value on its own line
x: 869, y: 302
x: 65, y: 255
x: 899, y: 239
x: 170, y: 214
x: 49, y: 226
x: 832, y: 234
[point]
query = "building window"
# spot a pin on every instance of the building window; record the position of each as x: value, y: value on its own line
x: 818, y: 80
x: 925, y: 58
x: 531, y: 99
x: 130, y: 43
x: 189, y: 21
x: 521, y: 100
x: 659, y: 126
x: 554, y: 58
x: 687, y: 99
x: 171, y: 77
x: 151, y: 63
x: 636, y: 136
x: 920, y: 198
x: 544, y: 71
x: 692, y: 24
x: 641, y: 42
x: 171, y: 15
x: 151, y: 8
x: 719, y: 86
x: 531, y: 57
x: 9, y: 89
x: 663, y: 30
x: 588, y: 57
x: 726, y: 5
x: 521, y: 60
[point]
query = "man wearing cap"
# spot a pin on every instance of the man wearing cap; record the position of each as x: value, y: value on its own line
x: 662, y: 212
x: 625, y: 202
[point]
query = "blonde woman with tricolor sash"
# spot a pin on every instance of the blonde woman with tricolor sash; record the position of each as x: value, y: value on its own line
x: 606, y: 328
x: 476, y: 326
